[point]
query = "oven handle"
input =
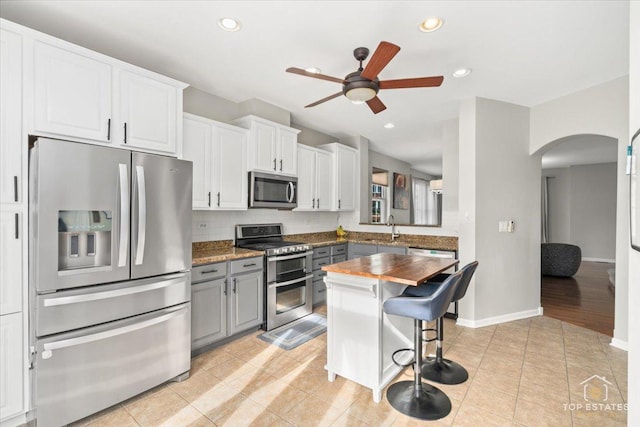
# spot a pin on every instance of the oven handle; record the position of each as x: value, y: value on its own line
x: 289, y: 282
x: 286, y: 257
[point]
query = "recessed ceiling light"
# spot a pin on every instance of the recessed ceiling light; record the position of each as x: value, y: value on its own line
x: 462, y: 72
x: 432, y: 23
x: 229, y: 24
x: 389, y: 126
x: 314, y: 70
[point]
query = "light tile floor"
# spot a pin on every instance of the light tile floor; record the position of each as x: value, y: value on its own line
x: 528, y: 372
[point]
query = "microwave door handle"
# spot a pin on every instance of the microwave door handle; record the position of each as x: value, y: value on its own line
x: 291, y: 192
x: 142, y: 215
x: 123, y: 241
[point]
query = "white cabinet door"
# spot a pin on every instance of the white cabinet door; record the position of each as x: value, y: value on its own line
x: 287, y: 152
x: 197, y: 148
x: 230, y: 168
x: 10, y: 117
x: 306, y: 178
x: 324, y: 181
x: 72, y: 94
x: 12, y: 364
x: 147, y: 113
x: 208, y: 312
x: 246, y: 301
x: 11, y: 262
x: 346, y: 176
x: 264, y: 147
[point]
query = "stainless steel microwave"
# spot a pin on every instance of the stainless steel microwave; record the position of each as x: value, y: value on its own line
x: 272, y: 191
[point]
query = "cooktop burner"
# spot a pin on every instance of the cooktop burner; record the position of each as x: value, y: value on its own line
x: 267, y: 238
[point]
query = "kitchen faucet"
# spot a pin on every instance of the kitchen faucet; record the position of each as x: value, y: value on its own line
x: 391, y: 221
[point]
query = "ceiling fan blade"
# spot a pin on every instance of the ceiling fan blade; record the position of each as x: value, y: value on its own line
x: 415, y: 82
x: 314, y: 75
x: 328, y: 98
x: 376, y: 105
x: 381, y: 57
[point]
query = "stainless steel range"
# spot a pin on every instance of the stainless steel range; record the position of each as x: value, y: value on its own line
x: 288, y: 275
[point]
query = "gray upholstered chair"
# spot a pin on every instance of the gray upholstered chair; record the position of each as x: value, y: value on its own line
x: 414, y: 398
x: 560, y: 259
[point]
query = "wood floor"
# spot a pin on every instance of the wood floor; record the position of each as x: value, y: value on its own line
x: 586, y: 299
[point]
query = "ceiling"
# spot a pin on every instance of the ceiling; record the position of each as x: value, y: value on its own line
x: 523, y: 52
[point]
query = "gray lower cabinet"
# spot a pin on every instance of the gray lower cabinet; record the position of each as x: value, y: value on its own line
x: 325, y: 255
x: 226, y: 298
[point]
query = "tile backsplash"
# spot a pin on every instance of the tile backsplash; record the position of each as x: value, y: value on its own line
x: 219, y: 225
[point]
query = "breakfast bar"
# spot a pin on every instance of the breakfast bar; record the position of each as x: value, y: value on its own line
x: 360, y: 336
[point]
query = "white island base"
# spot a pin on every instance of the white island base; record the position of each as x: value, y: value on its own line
x: 360, y: 337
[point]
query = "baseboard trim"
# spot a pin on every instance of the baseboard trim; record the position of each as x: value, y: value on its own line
x: 499, y: 319
x: 618, y: 343
x: 611, y: 261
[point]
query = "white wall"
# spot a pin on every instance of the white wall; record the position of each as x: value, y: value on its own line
x: 600, y: 110
x: 582, y: 208
x: 507, y: 187
x: 633, y: 417
x: 450, y: 130
x: 391, y: 165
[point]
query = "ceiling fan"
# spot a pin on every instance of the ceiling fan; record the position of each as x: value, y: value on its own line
x: 363, y: 85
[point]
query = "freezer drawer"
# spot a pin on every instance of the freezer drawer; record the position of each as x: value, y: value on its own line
x: 83, y: 372
x: 80, y: 308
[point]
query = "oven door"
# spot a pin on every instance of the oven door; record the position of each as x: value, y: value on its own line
x: 285, y: 268
x: 288, y: 301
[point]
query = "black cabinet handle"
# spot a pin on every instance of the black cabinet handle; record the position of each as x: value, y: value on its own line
x: 274, y: 164
x: 234, y: 285
x: 318, y: 203
x: 109, y: 129
x: 17, y: 226
x: 249, y: 265
x: 15, y: 188
x: 209, y: 198
x: 313, y: 203
x: 209, y: 271
x: 280, y: 165
x: 125, y: 132
x: 224, y: 289
x: 339, y: 203
x: 218, y: 198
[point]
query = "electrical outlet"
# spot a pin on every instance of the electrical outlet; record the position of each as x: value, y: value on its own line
x: 202, y: 226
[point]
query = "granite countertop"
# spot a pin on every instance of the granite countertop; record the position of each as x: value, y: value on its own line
x: 406, y: 269
x: 223, y: 250
x: 219, y: 251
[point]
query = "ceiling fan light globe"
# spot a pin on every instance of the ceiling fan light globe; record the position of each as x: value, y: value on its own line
x: 360, y: 94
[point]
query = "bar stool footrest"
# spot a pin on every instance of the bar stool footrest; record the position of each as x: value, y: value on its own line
x: 402, y: 365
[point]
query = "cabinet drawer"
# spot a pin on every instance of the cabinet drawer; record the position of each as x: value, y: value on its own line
x: 318, y: 263
x: 319, y: 292
x: 319, y: 275
x: 338, y: 258
x: 322, y: 252
x: 245, y: 265
x: 208, y: 272
x: 339, y: 250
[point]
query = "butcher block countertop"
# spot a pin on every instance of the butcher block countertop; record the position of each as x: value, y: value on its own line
x: 405, y: 269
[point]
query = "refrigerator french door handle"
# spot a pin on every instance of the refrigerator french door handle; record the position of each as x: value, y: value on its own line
x: 72, y: 342
x: 123, y: 243
x: 142, y: 215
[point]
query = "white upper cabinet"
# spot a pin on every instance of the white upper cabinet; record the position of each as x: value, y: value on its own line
x: 83, y: 95
x: 315, y: 179
x: 272, y: 147
x: 346, y: 173
x: 197, y: 148
x: 72, y: 94
x: 11, y: 146
x: 148, y: 113
x: 219, y: 155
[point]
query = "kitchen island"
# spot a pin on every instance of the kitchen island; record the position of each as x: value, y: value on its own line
x: 360, y: 337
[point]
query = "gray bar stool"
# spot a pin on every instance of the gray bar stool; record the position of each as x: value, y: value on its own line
x: 414, y: 398
x: 439, y: 369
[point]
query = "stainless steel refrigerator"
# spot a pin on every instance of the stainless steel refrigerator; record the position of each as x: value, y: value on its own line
x: 110, y: 257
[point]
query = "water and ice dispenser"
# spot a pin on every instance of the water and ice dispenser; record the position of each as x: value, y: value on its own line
x: 84, y: 239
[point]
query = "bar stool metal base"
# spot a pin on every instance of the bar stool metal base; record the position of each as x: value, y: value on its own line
x: 444, y: 371
x: 428, y: 403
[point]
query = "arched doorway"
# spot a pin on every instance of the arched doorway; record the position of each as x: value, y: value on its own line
x: 579, y: 188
